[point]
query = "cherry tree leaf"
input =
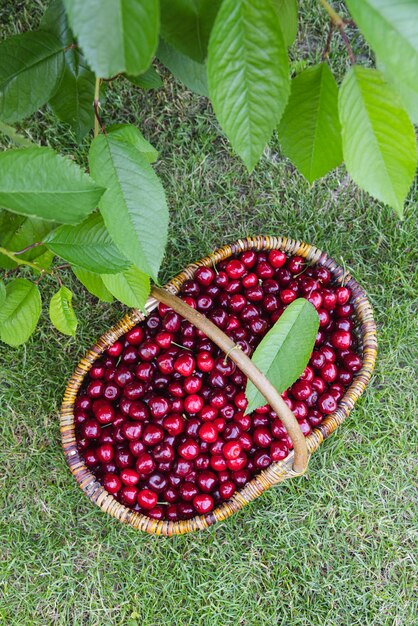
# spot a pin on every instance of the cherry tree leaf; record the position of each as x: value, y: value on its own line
x: 93, y: 283
x: 379, y: 143
x: 115, y: 36
x: 20, y: 311
x: 131, y: 287
x: 88, y: 245
x: 310, y: 131
x: 41, y: 183
x: 31, y: 66
x: 61, y: 312
x: 134, y: 208
x: 248, y: 89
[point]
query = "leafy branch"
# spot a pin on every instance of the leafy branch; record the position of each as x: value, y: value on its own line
x: 336, y: 21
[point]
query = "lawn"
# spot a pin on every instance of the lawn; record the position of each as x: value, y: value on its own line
x: 334, y: 548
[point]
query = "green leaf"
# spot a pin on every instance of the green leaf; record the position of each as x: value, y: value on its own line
x: 39, y: 182
x: 88, y: 245
x: 379, y: 144
x: 31, y: 65
x: 186, y: 25
x: 248, y: 74
x: 134, y: 207
x: 20, y: 312
x: 116, y: 36
x: 287, y: 11
x: 284, y: 351
x: 73, y: 100
x: 17, y: 138
x: 17, y: 232
x: 131, y: 287
x: 391, y: 29
x: 310, y: 131
x: 184, y: 69
x: 93, y: 283
x: 149, y: 80
x: 61, y: 312
x: 2, y: 293
x: 131, y: 134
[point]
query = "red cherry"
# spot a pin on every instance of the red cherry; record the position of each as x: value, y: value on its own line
x: 145, y: 464
x: 328, y: 372
x: 277, y: 258
x: 341, y: 339
x: 235, y: 269
x: 189, y: 449
x: 327, y: 403
x: 184, y: 364
x: 208, y: 432
x: 193, y: 403
x: 232, y: 450
x: 135, y: 336
x: 227, y: 489
x: 278, y: 451
x: 115, y: 350
x: 103, y: 411
x: 105, y: 453
x: 343, y: 295
x: 112, y: 483
x: 203, y: 503
x: 147, y: 499
x: 249, y: 258
x: 128, y: 495
x: 205, y: 361
x: 287, y: 296
x: 129, y: 477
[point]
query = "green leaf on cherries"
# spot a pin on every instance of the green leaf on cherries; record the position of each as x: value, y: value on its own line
x: 284, y: 351
x: 87, y: 245
x: 93, y: 283
x: 61, y: 312
x: 131, y: 287
x: 20, y: 312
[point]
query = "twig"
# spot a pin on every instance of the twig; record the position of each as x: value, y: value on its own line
x: 328, y: 41
x: 96, y: 104
x: 32, y: 245
x: 16, y: 259
x: 339, y: 23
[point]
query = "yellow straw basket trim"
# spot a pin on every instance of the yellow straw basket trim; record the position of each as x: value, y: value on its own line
x: 276, y: 472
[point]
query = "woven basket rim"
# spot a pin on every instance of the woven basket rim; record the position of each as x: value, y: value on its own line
x: 277, y: 471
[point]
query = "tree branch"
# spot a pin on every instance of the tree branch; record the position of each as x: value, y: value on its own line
x: 13, y: 257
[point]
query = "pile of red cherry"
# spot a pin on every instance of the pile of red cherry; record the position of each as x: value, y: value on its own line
x: 161, y: 418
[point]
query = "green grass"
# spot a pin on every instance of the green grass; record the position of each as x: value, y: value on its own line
x: 334, y: 548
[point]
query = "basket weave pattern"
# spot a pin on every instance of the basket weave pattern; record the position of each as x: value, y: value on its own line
x: 277, y: 471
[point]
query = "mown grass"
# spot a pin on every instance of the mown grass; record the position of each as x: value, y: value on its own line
x: 336, y: 547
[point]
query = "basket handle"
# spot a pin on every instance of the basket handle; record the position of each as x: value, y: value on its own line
x: 245, y: 364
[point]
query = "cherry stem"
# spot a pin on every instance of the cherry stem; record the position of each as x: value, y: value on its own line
x: 338, y: 22
x: 247, y: 367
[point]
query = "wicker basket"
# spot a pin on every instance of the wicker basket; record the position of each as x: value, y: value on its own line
x: 277, y: 471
